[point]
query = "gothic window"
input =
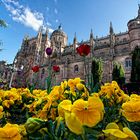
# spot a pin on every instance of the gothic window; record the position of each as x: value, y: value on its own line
x: 124, y: 39
x: 128, y: 63
x: 76, y: 69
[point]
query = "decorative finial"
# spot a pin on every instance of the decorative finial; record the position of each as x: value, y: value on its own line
x: 91, y: 33
x: 139, y: 10
x: 75, y: 35
x: 111, y: 28
x: 60, y: 27
x: 47, y: 30
x: 91, y: 30
x: 40, y: 29
x: 74, y: 40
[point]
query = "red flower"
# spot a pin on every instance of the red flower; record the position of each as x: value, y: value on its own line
x: 35, y: 68
x: 56, y: 68
x: 83, y: 50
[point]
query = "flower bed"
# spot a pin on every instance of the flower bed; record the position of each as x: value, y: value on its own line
x: 70, y: 111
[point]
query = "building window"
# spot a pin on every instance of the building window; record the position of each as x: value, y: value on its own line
x: 76, y: 69
x: 138, y: 34
x: 124, y: 40
x: 128, y: 63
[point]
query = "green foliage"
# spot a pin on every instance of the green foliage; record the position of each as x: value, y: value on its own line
x: 118, y: 74
x: 2, y: 23
x: 96, y: 72
x: 135, y: 72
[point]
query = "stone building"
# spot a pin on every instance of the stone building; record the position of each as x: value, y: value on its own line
x: 113, y: 47
x: 5, y: 73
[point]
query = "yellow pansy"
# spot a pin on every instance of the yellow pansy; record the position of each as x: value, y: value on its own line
x: 113, y: 132
x: 80, y: 86
x: 88, y: 112
x: 1, y: 108
x: 64, y: 106
x: 7, y: 103
x: 131, y: 110
x: 63, y: 86
x: 76, y: 81
x: 113, y: 92
x: 71, y: 83
x: 73, y: 123
x: 10, y: 132
x: 130, y: 133
x: 1, y: 112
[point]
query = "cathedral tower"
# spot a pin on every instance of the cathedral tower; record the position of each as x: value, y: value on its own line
x: 134, y: 31
x: 58, y: 41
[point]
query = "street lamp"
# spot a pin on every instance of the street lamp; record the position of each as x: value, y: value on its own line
x: 14, y: 70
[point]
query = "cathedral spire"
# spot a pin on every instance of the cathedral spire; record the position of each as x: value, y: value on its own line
x: 74, y: 43
x: 47, y: 33
x: 75, y: 38
x: 139, y: 10
x: 39, y: 37
x: 47, y: 37
x: 111, y: 28
x: 91, y: 34
x: 40, y: 29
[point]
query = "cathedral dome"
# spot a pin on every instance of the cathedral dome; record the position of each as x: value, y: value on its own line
x: 134, y: 23
x: 59, y: 31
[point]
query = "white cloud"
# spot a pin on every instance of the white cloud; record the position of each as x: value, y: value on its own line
x: 48, y: 24
x: 24, y: 15
x: 50, y: 30
x: 55, y: 11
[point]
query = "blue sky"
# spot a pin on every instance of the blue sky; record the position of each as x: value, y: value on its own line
x: 24, y: 17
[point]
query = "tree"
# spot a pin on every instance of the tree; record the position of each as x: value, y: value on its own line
x: 135, y: 71
x: 2, y: 23
x: 96, y: 71
x: 118, y: 74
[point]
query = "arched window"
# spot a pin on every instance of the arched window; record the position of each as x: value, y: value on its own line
x: 124, y: 39
x: 128, y: 63
x: 76, y: 69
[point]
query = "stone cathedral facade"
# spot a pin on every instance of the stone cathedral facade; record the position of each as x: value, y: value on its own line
x: 113, y: 47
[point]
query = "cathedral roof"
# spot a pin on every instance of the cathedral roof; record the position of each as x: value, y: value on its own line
x: 68, y: 50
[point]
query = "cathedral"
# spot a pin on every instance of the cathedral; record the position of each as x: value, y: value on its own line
x: 110, y: 48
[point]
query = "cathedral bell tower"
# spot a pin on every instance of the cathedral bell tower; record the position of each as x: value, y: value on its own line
x: 134, y: 31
